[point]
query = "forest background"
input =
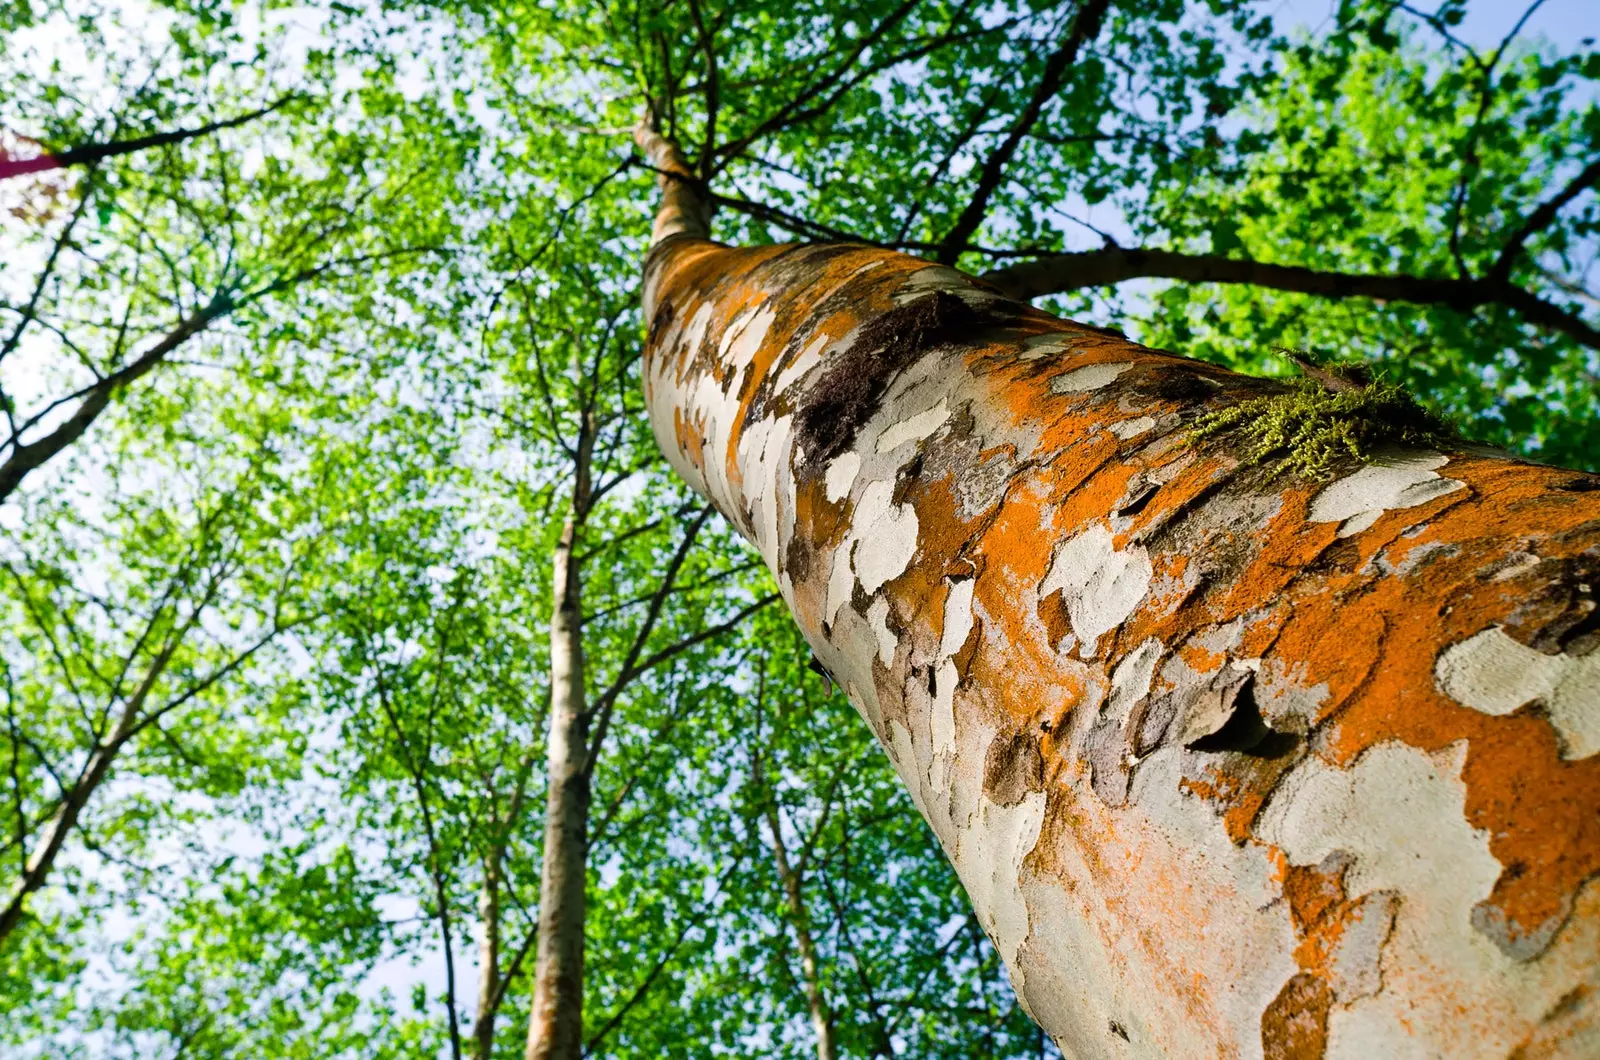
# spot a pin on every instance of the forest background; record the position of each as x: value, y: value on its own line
x: 319, y: 339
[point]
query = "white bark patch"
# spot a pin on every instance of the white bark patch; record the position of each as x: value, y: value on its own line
x: 1089, y: 377
x: 878, y: 615
x: 914, y: 429
x: 1496, y: 674
x: 885, y: 535
x: 745, y: 334
x: 904, y: 753
x: 934, y: 278
x: 695, y: 333
x: 988, y: 857
x: 840, y: 476
x: 1100, y: 585
x: 1133, y: 428
x: 1354, y: 962
x: 1400, y: 813
x: 1357, y: 501
x: 806, y: 360
x: 840, y: 582
x: 769, y: 442
x: 1130, y: 681
x: 1039, y: 347
x: 1232, y: 884
x: 958, y: 621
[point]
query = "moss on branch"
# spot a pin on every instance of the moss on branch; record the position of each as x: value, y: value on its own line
x: 1311, y: 429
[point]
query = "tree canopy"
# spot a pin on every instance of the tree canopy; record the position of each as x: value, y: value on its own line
x: 307, y: 313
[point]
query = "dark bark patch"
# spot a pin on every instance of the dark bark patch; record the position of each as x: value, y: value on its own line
x: 1246, y: 731
x: 797, y: 560
x: 851, y: 387
x: 908, y: 477
x: 1560, y: 607
x: 660, y: 322
x: 1013, y: 768
x: 1176, y: 383
x: 1295, y: 1024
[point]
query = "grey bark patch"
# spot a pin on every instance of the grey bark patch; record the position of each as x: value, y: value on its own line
x: 1148, y: 729
x: 1013, y: 768
x: 1516, y: 941
x: 852, y: 385
x: 1211, y: 705
x: 1355, y: 968
x: 1106, y: 748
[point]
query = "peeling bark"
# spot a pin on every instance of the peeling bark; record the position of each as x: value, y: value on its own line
x: 1230, y: 765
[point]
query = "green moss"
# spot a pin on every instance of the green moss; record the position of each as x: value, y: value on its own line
x: 1311, y: 429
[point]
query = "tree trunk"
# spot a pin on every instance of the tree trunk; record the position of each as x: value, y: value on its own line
x: 488, y: 959
x: 810, y: 969
x: 1230, y: 764
x: 555, y: 1029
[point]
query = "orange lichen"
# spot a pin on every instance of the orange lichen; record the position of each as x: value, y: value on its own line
x: 1334, y: 639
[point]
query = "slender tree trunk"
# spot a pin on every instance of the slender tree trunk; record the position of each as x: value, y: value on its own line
x: 488, y: 959
x: 555, y: 1030
x: 810, y: 969
x: 1230, y: 764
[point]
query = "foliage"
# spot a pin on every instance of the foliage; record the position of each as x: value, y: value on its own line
x: 290, y: 585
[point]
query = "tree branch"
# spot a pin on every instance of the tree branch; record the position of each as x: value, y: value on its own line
x: 1112, y: 265
x: 1540, y: 218
x: 1085, y: 25
x: 88, y: 154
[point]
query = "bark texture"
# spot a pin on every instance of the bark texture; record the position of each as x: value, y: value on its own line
x: 1230, y: 765
x: 555, y: 1028
x: 488, y: 962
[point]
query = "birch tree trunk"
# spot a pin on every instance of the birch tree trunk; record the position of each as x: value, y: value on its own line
x: 555, y: 1028
x: 1229, y: 764
x: 488, y: 960
x: 791, y: 878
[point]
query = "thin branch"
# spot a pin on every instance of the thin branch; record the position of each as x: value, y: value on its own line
x: 1539, y: 219
x: 1085, y: 25
x: 89, y: 154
